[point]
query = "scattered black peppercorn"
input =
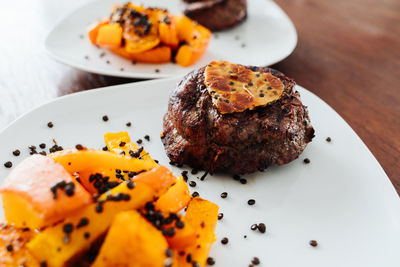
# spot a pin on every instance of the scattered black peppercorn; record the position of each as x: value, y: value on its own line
x: 70, y: 189
x: 16, y: 152
x: 130, y: 184
x: 168, y: 252
x: 68, y: 228
x: 210, y: 261
x: 42, y: 145
x: 105, y: 118
x: 192, y: 183
x: 243, y: 181
x: 313, y: 243
x: 184, y: 175
x: 50, y: 124
x: 251, y: 202
x: 261, y: 227
x: 224, y: 241
x: 8, y: 164
x: 253, y: 227
x: 147, y: 137
x: 220, y: 216
x: 105, y: 148
x: 328, y: 139
x: 139, y: 141
x: 128, y: 124
x: 307, y: 160
x: 224, y: 194
x: 157, y: 70
x: 255, y: 261
x: 236, y: 177
x: 122, y: 144
x: 79, y: 147
x: 9, y: 247
x: 86, y: 235
x: 43, y: 264
x: 195, y: 194
x: 83, y: 222
x: 179, y: 224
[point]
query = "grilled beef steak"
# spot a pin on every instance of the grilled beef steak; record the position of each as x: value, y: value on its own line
x: 216, y: 15
x: 198, y: 134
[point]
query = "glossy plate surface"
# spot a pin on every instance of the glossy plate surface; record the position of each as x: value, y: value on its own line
x: 264, y: 38
x: 343, y: 199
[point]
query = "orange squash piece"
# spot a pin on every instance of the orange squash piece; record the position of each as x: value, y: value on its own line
x: 160, y: 54
x: 176, y: 198
x: 158, y: 178
x: 51, y: 244
x: 113, y: 142
x: 202, y: 216
x: 27, y: 197
x: 109, y: 35
x: 93, y: 30
x: 16, y: 238
x: 183, y: 238
x: 169, y: 33
x: 90, y: 161
x: 132, y: 242
x: 196, y: 36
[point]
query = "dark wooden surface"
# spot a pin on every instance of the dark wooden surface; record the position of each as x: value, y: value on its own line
x: 348, y: 54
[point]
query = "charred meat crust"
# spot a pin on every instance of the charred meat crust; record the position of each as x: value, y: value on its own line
x: 195, y: 133
x: 217, y: 15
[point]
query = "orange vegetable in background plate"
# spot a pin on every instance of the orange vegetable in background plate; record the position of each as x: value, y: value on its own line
x: 109, y: 35
x: 93, y: 31
x: 28, y: 200
x: 160, y: 54
x: 168, y: 32
x: 197, y: 38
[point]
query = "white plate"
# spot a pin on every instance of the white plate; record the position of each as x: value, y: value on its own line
x: 343, y: 199
x: 268, y: 35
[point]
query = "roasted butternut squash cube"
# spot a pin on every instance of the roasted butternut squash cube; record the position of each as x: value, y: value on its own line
x: 176, y: 198
x: 109, y: 35
x: 57, y: 245
x: 40, y: 192
x: 90, y: 161
x: 12, y: 246
x: 132, y: 241
x: 202, y: 216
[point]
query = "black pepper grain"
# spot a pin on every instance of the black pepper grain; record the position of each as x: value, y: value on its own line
x: 243, y: 181
x: 168, y: 252
x: 83, y: 222
x: 130, y: 184
x: 16, y: 152
x: 105, y: 118
x: 79, y: 147
x: 9, y: 247
x: 105, y: 148
x: 128, y: 124
x: 224, y: 194
x: 192, y: 183
x: 8, y: 164
x: 122, y: 144
x: 251, y: 202
x: 189, y: 258
x: 255, y: 261
x: 220, y: 216
x: 306, y: 160
x: 147, y: 137
x: 195, y: 194
x: 261, y: 227
x: 224, y: 241
x: 328, y: 139
x: 139, y: 141
x: 50, y: 124
x: 313, y: 243
x: 253, y: 227
x: 210, y: 261
x: 86, y: 235
x: 42, y: 145
x: 68, y: 228
x: 179, y: 224
x: 43, y: 264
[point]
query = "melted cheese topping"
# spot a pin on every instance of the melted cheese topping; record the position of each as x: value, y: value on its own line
x: 234, y: 88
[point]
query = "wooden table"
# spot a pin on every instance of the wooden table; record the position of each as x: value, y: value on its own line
x: 348, y: 54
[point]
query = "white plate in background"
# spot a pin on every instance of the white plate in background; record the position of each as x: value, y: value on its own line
x: 267, y: 36
x: 343, y: 199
